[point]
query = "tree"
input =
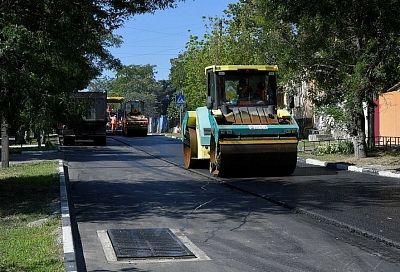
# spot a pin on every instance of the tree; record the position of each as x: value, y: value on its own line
x: 137, y: 82
x: 243, y: 36
x: 52, y: 48
x: 350, y: 49
x: 99, y: 85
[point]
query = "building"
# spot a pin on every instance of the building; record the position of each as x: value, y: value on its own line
x: 387, y: 113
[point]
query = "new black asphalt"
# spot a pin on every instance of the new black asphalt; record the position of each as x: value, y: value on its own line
x: 115, y: 186
x: 119, y: 186
x: 367, y: 203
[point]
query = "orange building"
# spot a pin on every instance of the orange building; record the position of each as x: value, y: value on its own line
x: 387, y: 113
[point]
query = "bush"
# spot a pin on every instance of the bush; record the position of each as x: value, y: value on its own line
x: 340, y: 147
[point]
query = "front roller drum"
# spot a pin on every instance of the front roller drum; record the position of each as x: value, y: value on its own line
x: 190, y: 150
x: 252, y: 160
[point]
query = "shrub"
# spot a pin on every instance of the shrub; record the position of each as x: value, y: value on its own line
x: 340, y: 147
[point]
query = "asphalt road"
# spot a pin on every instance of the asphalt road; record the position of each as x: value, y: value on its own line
x: 139, y: 184
x: 366, y: 202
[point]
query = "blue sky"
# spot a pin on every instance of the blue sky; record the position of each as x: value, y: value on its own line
x: 156, y: 38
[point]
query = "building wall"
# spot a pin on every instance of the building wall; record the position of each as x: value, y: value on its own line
x: 389, y: 114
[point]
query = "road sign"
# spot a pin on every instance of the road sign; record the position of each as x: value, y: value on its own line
x: 180, y: 99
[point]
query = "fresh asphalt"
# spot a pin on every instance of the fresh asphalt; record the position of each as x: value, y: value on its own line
x: 137, y: 183
x: 366, y: 202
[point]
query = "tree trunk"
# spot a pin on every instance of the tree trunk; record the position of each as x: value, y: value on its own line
x: 360, y: 146
x: 5, y: 144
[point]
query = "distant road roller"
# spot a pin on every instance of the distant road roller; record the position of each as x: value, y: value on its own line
x: 241, y: 130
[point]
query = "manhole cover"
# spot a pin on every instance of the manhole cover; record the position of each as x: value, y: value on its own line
x: 147, y: 243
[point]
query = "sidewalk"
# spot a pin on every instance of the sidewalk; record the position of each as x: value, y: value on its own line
x: 390, y: 171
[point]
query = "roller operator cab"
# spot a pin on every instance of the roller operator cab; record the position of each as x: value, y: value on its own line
x: 134, y: 122
x: 241, y: 130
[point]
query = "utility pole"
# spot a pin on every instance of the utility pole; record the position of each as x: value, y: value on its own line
x: 371, y: 121
x: 5, y: 159
x: 219, y: 27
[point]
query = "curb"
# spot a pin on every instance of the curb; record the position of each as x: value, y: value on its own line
x: 352, y: 168
x: 68, y: 243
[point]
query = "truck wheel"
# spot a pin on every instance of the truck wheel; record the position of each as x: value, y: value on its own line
x: 128, y: 133
x: 68, y: 141
x: 190, y: 150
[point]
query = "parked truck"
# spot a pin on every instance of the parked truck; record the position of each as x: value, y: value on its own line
x: 91, y: 124
x: 241, y: 130
x: 134, y: 122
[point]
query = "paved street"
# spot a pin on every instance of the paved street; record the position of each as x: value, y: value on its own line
x: 132, y: 183
x: 365, y: 201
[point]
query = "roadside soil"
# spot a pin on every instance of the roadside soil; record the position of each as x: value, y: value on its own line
x: 378, y: 160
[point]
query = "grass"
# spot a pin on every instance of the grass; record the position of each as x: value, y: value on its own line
x: 26, y: 191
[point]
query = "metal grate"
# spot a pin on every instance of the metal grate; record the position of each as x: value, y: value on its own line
x: 147, y: 243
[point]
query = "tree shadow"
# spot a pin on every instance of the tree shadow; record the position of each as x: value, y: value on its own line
x: 27, y: 195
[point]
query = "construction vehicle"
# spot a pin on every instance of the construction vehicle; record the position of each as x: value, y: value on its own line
x: 114, y: 110
x: 134, y: 122
x: 241, y: 130
x: 91, y: 125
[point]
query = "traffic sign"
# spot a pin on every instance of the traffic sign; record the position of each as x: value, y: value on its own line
x: 180, y: 99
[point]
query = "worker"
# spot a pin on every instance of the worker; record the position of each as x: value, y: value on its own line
x: 113, y: 123
x: 109, y: 109
x: 134, y: 111
x: 244, y: 90
x: 261, y: 91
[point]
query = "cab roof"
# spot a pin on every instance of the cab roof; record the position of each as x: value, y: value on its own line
x: 218, y: 68
x: 115, y: 99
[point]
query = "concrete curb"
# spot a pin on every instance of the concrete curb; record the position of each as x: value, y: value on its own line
x: 352, y: 168
x: 68, y: 243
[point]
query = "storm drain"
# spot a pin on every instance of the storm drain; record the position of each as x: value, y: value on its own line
x: 147, y: 243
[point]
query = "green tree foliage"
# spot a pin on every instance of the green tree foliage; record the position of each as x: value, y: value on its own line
x: 99, y: 85
x: 243, y: 36
x: 350, y: 49
x: 52, y: 48
x: 137, y: 82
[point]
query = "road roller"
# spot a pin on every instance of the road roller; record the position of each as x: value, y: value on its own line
x: 241, y: 129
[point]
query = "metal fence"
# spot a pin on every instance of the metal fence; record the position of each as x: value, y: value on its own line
x: 379, y: 142
x: 384, y: 142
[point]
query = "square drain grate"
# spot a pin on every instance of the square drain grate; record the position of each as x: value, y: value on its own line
x: 147, y: 243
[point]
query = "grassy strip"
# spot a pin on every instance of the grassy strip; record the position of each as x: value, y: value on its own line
x: 28, y: 229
